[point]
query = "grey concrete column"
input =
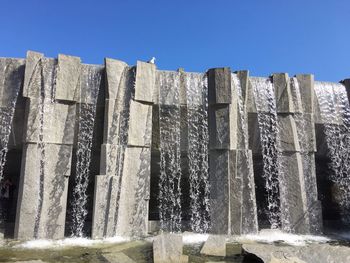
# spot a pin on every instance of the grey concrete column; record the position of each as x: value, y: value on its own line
x: 122, y: 188
x: 346, y: 83
x: 48, y: 143
x: 294, y: 111
x: 231, y: 173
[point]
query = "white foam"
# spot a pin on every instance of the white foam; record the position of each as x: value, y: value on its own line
x: 69, y: 242
x: 270, y: 236
x: 190, y: 238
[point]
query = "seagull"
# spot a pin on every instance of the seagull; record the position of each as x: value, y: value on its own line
x: 152, y: 60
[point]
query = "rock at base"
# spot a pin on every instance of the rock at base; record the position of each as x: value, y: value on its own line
x: 215, y: 246
x: 117, y: 258
x: 167, y: 248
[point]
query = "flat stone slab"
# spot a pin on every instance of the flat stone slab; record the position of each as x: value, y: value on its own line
x: 219, y: 86
x: 167, y: 248
x: 215, y: 246
x: 312, y: 253
x: 283, y: 93
x: 117, y: 258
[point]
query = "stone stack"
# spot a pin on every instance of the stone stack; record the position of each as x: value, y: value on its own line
x: 50, y: 87
x: 123, y: 183
x: 233, y: 208
x: 297, y: 183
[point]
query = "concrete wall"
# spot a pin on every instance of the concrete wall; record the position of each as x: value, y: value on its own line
x: 122, y: 188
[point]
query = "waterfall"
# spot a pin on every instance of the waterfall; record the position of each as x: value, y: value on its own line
x: 335, y: 116
x: 6, y: 116
x: 48, y: 73
x: 198, y: 139
x: 170, y: 152
x: 86, y: 122
x: 272, y: 168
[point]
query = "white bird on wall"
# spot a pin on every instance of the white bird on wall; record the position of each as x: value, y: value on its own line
x: 152, y: 60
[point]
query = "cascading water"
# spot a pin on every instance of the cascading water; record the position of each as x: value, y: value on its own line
x: 6, y: 117
x: 267, y: 120
x: 198, y: 139
x: 86, y: 121
x: 48, y: 73
x: 170, y: 152
x: 335, y: 116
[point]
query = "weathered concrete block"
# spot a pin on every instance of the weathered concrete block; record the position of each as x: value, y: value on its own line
x: 288, y: 133
x: 115, y: 69
x: 296, y: 94
x: 232, y: 192
x: 53, y: 195
x: 32, y: 74
x: 306, y: 132
x: 249, y: 208
x: 247, y: 94
x: 219, y: 192
x: 117, y: 258
x: 168, y: 87
x: 219, y: 86
x: 60, y: 116
x: 140, y: 124
x: 215, y: 246
x: 346, y: 83
x: 306, y: 84
x: 68, y: 75
x: 89, y: 84
x: 219, y: 127
x: 145, y: 81
x: 167, y: 248
x: 11, y: 80
x: 110, y: 157
x: 283, y: 93
x: 134, y: 192
x: 106, y: 206
x: 292, y: 194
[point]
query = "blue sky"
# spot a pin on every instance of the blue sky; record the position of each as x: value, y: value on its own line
x: 263, y: 36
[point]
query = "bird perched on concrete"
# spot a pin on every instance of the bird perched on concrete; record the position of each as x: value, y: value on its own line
x: 152, y: 60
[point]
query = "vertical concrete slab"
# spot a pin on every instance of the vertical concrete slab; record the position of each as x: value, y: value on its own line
x: 54, y: 195
x: 346, y: 83
x: 292, y: 194
x: 219, y: 86
x: 306, y: 84
x: 134, y: 193
x: 68, y: 77
x: 219, y: 173
x: 114, y: 72
x: 288, y: 133
x: 219, y: 127
x: 140, y: 124
x: 145, y: 81
x: 283, y: 93
x: 32, y: 75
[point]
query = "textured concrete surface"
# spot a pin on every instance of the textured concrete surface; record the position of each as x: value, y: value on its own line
x: 167, y: 248
x: 215, y: 246
x: 68, y: 77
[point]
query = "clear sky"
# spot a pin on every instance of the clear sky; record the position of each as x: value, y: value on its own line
x: 263, y: 36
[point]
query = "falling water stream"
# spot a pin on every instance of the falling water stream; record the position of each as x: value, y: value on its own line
x: 267, y: 120
x: 335, y: 115
x: 86, y: 122
x: 198, y: 139
x: 170, y: 152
